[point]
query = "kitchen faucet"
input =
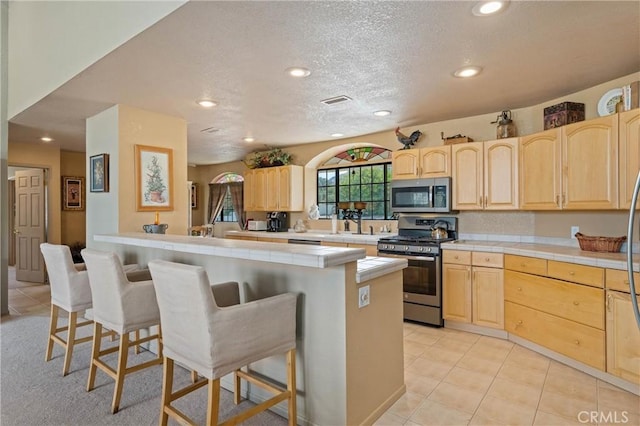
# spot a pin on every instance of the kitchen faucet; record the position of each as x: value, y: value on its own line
x: 355, y: 216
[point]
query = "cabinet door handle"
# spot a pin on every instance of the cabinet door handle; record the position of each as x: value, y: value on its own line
x: 523, y: 265
x: 519, y: 323
x: 487, y: 259
x: 480, y: 201
x: 576, y: 303
x: 626, y: 282
x: 558, y: 200
x: 577, y: 342
x: 455, y: 257
x: 485, y: 201
x: 519, y: 288
x: 609, y: 302
x: 571, y: 273
x: 564, y: 203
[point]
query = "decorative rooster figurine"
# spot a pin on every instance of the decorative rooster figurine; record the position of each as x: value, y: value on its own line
x: 408, y: 141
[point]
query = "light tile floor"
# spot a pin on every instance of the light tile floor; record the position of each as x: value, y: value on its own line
x: 458, y: 378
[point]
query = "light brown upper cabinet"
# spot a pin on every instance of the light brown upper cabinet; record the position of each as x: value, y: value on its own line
x: 274, y: 189
x: 421, y: 163
x: 485, y: 175
x: 574, y: 167
x: 629, y: 140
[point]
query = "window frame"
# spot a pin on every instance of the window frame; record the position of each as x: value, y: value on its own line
x: 326, y: 207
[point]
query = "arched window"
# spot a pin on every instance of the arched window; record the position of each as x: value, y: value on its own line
x: 227, y: 212
x: 356, y: 174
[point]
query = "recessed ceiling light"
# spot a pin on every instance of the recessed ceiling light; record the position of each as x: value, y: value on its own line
x: 382, y: 113
x: 206, y: 103
x: 298, y: 72
x: 467, y: 72
x: 248, y: 139
x: 46, y: 139
x: 337, y: 135
x: 487, y: 8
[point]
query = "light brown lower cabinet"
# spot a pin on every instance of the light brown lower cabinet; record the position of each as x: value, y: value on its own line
x: 242, y: 237
x: 565, y: 315
x: 570, y: 338
x: 473, y: 288
x: 623, y: 337
x: 371, y: 250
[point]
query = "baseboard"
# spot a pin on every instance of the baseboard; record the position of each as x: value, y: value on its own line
x: 606, y: 377
x: 502, y: 334
x: 378, y: 412
x: 477, y: 329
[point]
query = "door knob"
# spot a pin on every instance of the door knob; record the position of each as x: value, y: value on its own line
x: 15, y: 231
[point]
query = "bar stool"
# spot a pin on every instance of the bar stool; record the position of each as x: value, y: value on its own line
x: 123, y: 306
x: 70, y: 291
x: 213, y: 340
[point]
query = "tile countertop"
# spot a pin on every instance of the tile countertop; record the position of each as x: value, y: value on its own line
x: 341, y: 237
x: 549, y: 252
x: 298, y: 255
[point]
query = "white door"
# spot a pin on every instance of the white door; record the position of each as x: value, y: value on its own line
x: 30, y: 225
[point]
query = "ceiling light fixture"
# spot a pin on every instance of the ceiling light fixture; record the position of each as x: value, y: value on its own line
x: 206, y: 103
x: 382, y: 113
x: 487, y: 8
x: 298, y: 72
x: 466, y: 72
x: 337, y: 135
x: 46, y: 139
x: 248, y: 139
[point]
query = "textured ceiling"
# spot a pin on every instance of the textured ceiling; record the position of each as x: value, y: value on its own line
x: 389, y: 55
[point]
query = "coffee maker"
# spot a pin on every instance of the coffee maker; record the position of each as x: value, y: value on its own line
x: 277, y: 222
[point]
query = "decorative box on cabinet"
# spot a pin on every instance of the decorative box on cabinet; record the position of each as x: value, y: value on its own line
x: 485, y: 175
x: 421, y: 163
x: 473, y: 288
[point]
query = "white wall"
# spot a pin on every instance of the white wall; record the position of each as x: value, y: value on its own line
x: 68, y: 37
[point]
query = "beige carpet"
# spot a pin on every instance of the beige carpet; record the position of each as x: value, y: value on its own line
x: 34, y: 393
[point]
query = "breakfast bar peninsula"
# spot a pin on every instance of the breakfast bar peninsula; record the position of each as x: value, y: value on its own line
x: 349, y: 316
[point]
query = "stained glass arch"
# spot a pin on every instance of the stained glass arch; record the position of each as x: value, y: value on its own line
x: 359, y: 155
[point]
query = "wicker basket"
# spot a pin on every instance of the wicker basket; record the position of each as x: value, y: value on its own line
x: 602, y: 244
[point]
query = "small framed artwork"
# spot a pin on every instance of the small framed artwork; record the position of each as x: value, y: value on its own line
x: 72, y: 193
x: 154, y: 178
x: 194, y: 196
x: 99, y: 173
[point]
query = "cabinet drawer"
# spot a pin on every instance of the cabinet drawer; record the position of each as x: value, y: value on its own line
x: 570, y: 301
x: 577, y: 341
x: 457, y: 257
x: 617, y: 279
x: 589, y: 275
x: 530, y: 265
x: 492, y: 260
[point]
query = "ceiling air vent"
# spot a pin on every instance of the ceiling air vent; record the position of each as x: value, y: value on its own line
x: 209, y: 130
x: 336, y: 100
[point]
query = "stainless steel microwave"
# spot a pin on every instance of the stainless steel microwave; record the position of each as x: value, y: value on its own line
x: 421, y: 195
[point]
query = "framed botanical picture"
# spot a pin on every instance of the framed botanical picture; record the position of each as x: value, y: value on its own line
x: 99, y: 173
x: 72, y: 193
x: 154, y: 178
x: 194, y: 196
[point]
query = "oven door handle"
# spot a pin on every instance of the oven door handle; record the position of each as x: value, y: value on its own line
x: 403, y: 256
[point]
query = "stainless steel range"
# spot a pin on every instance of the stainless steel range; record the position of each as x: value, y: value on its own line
x: 422, y: 279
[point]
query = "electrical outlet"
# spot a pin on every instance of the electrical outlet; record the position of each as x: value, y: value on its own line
x: 574, y: 231
x: 363, y: 296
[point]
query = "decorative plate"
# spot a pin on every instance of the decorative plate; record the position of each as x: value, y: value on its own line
x: 608, y: 101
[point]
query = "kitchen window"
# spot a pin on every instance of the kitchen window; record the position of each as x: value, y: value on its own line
x: 369, y: 183
x: 227, y: 212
